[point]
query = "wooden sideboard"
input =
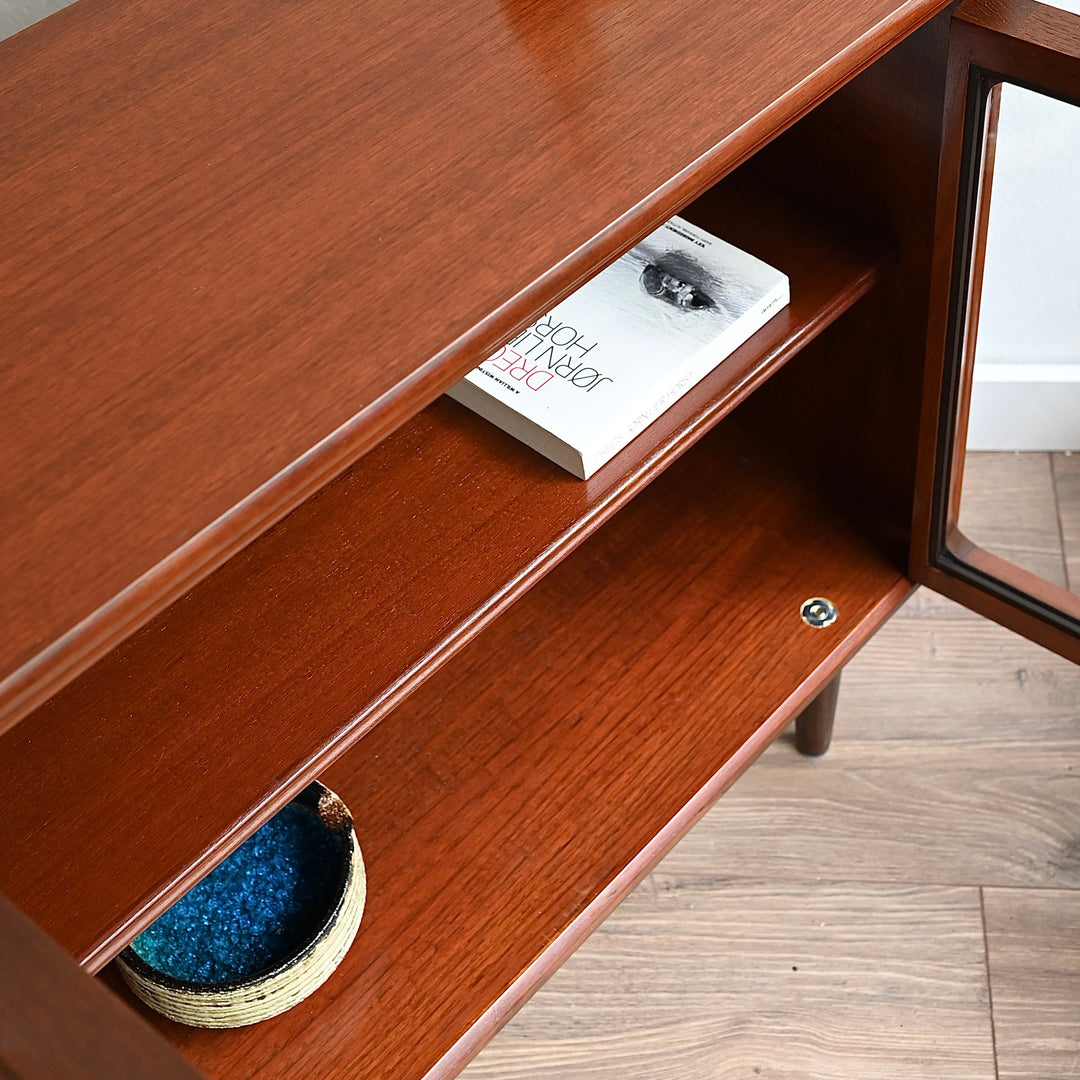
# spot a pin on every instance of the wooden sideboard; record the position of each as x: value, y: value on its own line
x: 246, y: 541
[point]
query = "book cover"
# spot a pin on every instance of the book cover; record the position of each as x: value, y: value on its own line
x: 591, y: 374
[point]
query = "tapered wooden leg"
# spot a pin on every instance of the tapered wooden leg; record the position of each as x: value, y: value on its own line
x: 813, y: 726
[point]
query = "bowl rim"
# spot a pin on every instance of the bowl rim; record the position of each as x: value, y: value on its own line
x: 315, y: 798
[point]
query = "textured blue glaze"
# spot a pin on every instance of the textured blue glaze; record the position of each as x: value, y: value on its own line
x: 259, y: 906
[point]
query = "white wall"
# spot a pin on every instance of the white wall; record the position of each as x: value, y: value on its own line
x: 1026, y: 394
x: 1031, y: 288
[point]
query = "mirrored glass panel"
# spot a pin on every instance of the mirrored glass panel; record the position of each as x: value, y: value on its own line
x: 1018, y: 468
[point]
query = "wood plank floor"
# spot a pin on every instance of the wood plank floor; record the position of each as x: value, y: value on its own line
x: 1034, y: 963
x: 1025, y: 507
x: 1008, y: 505
x: 907, y: 906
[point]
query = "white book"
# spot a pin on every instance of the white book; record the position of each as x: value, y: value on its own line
x: 590, y: 375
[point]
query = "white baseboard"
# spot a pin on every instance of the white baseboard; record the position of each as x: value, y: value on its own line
x: 1025, y: 407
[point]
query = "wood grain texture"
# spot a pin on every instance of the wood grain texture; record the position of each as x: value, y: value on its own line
x: 955, y: 762
x: 965, y: 681
x: 239, y: 694
x: 244, y: 245
x: 1066, y: 469
x: 56, y: 1023
x: 692, y: 976
x: 1033, y: 949
x: 641, y: 676
x: 1042, y: 37
x: 893, y: 812
x: 1008, y: 505
x: 693, y: 980
x: 868, y: 156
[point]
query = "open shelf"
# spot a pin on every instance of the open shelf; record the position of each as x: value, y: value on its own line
x: 509, y: 803
x: 227, y: 703
x: 242, y: 246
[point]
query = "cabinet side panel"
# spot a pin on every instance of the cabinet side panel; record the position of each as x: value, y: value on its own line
x: 57, y: 1023
x: 849, y: 407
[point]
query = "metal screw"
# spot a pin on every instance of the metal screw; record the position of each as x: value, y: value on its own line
x: 818, y: 612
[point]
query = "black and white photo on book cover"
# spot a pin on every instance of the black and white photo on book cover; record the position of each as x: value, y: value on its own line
x: 586, y: 378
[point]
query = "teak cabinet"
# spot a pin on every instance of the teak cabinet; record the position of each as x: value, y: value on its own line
x: 246, y: 542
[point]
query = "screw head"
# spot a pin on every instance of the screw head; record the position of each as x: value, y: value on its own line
x: 818, y: 612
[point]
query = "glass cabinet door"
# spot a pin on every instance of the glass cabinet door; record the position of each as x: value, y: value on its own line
x: 997, y: 520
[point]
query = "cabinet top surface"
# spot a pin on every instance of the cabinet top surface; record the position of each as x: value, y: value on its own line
x: 243, y: 242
